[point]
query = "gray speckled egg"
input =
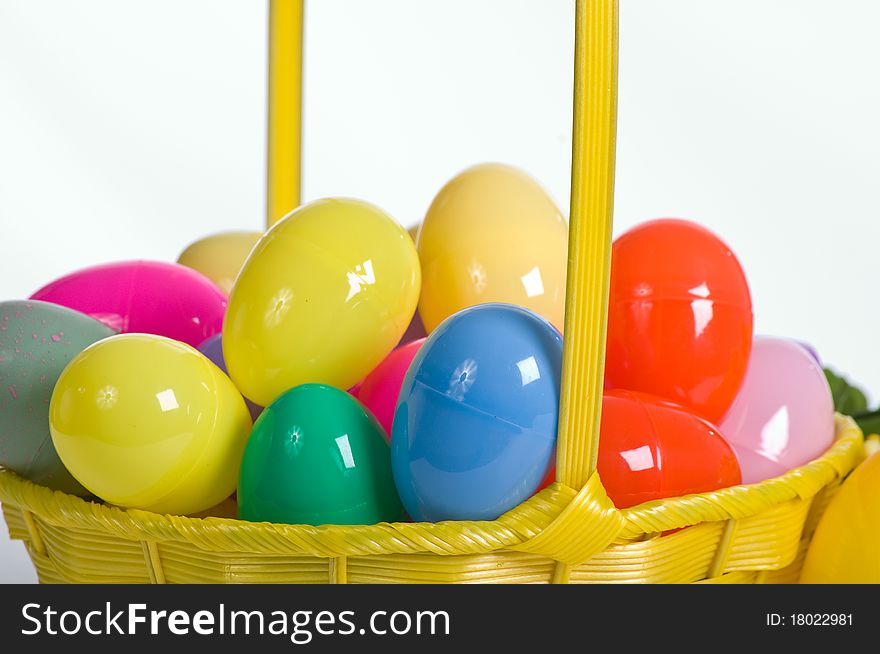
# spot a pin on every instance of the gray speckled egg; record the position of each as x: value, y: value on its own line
x: 37, y: 341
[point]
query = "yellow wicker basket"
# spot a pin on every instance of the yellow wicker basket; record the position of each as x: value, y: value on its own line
x: 568, y: 533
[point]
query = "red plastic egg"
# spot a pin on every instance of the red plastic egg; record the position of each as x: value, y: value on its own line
x: 549, y: 479
x: 679, y: 316
x: 651, y: 449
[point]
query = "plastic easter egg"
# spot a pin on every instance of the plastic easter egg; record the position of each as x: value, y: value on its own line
x: 325, y: 295
x: 813, y: 352
x: 548, y: 479
x: 474, y: 432
x: 316, y: 456
x: 416, y: 329
x: 146, y: 422
x: 380, y: 389
x: 679, y: 317
x: 755, y: 466
x: 845, y: 546
x: 492, y: 234
x: 651, y: 449
x: 219, y: 257
x: 414, y: 332
x: 212, y: 348
x: 152, y: 297
x: 37, y: 341
x: 784, y: 411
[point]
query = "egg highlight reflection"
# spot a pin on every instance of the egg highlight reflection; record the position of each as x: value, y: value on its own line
x: 783, y: 416
x: 679, y: 317
x: 316, y: 456
x: 325, y: 295
x: 37, y: 341
x: 474, y: 432
x: 146, y: 422
x: 152, y: 297
x: 492, y: 234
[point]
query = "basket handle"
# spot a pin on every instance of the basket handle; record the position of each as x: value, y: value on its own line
x: 592, y: 198
x: 594, y: 136
x: 284, y: 120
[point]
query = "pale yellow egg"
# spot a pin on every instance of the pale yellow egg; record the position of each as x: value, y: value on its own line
x: 492, y: 234
x: 219, y: 257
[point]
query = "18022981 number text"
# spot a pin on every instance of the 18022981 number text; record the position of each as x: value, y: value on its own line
x: 809, y: 620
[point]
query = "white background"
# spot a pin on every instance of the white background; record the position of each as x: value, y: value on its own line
x: 129, y: 129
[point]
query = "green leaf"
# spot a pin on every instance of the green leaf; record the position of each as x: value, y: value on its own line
x: 869, y: 423
x: 848, y: 398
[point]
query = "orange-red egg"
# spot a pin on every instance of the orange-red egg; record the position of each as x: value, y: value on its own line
x: 651, y: 449
x: 679, y: 316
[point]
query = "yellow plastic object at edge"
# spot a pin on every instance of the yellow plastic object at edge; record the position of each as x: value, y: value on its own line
x: 219, y: 257
x: 325, y: 295
x: 846, y: 546
x: 146, y: 422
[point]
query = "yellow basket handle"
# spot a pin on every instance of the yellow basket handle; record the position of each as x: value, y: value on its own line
x: 592, y: 199
x: 284, y: 120
x: 594, y: 139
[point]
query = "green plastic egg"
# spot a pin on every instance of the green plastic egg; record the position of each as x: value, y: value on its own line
x: 317, y: 456
x: 37, y: 341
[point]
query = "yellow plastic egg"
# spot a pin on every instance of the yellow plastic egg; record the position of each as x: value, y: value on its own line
x: 845, y: 548
x: 147, y: 422
x: 219, y: 257
x: 492, y: 234
x: 325, y: 295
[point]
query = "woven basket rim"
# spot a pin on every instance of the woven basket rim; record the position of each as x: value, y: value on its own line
x: 513, y: 530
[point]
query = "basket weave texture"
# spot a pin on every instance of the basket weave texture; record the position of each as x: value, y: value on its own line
x: 746, y: 534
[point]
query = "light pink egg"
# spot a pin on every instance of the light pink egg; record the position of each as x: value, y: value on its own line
x: 783, y: 415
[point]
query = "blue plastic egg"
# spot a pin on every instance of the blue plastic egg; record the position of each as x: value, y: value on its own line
x: 474, y: 431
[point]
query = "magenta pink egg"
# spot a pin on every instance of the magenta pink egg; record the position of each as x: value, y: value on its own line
x: 151, y: 297
x: 783, y: 416
x: 379, y: 390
